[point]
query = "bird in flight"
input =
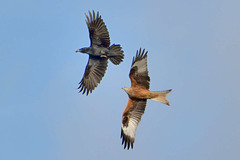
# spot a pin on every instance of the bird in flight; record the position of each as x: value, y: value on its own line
x: 138, y: 94
x: 99, y: 52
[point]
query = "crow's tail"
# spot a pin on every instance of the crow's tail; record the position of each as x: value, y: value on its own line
x: 116, y: 54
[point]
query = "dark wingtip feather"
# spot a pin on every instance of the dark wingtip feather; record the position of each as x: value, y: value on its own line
x: 140, y: 54
x: 83, y: 89
x: 127, y: 141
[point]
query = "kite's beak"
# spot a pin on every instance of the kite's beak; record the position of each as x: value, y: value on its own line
x: 126, y: 89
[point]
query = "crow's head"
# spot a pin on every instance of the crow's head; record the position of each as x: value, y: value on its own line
x: 83, y: 50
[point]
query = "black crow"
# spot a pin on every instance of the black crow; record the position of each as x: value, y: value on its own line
x: 99, y: 52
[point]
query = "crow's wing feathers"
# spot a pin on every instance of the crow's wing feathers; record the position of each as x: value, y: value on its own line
x: 98, y: 32
x: 94, y: 72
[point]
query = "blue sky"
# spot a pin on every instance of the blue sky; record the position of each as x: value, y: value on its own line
x: 193, y: 49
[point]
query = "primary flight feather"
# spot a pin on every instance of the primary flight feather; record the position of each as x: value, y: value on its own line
x: 99, y: 52
x: 138, y: 94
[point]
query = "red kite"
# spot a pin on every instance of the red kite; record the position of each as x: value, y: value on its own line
x: 138, y: 94
x: 99, y: 52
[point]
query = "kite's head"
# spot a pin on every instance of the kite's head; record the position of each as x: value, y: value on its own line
x: 127, y: 90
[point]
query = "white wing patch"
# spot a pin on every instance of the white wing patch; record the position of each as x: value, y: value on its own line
x: 142, y: 65
x: 131, y: 129
x: 130, y: 122
x: 128, y: 133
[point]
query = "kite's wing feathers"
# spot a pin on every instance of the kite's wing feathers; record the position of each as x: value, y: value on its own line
x: 131, y: 117
x: 98, y: 32
x: 94, y: 72
x: 139, y: 70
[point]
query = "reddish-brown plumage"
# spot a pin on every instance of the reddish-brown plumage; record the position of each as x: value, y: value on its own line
x: 138, y: 94
x: 129, y: 104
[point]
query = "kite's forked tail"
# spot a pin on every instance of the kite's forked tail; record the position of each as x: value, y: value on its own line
x: 160, y: 96
x: 116, y: 54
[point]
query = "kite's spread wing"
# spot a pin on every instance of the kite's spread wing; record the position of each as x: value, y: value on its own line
x: 139, y: 70
x: 130, y: 120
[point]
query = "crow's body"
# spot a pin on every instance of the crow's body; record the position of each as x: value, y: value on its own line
x: 99, y: 52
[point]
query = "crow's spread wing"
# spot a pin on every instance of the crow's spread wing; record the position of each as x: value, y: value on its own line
x: 94, y: 72
x: 98, y: 32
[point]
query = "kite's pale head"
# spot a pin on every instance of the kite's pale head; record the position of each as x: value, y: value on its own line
x: 126, y: 89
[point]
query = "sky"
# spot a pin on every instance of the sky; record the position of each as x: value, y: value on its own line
x: 193, y: 49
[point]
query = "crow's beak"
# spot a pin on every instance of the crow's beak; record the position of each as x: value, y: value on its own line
x: 79, y: 50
